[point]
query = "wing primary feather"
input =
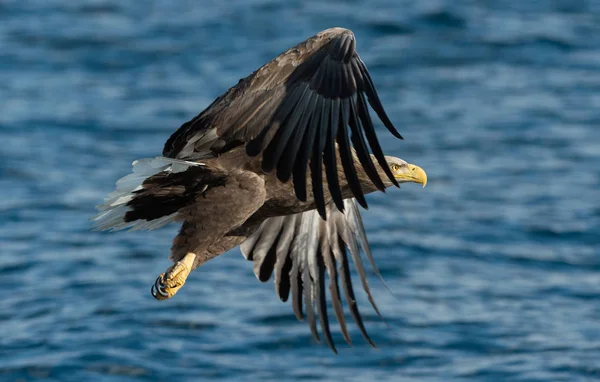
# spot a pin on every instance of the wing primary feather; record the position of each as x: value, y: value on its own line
x: 334, y: 289
x: 350, y: 241
x: 349, y: 292
x: 294, y: 127
x: 374, y: 100
x: 329, y: 157
x: 266, y: 268
x: 344, y: 83
x: 323, y: 124
x: 308, y: 146
x: 356, y: 69
x: 286, y: 131
x: 362, y: 152
x: 296, y: 281
x: 297, y: 246
x: 316, y: 162
x: 263, y: 252
x: 290, y: 156
x: 316, y: 173
x: 322, y: 298
x: 283, y: 285
x: 311, y: 272
x: 309, y: 302
x: 369, y: 130
x: 346, y: 156
x: 283, y: 265
x: 355, y: 221
x: 351, y: 81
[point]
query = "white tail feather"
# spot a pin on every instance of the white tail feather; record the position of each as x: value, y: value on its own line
x: 113, y: 210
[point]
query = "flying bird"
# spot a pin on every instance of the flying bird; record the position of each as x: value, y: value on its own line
x: 277, y: 165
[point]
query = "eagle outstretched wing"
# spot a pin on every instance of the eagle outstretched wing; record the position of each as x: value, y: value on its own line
x: 298, y: 249
x: 293, y: 111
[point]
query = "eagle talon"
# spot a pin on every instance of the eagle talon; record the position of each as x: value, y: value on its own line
x: 168, y: 283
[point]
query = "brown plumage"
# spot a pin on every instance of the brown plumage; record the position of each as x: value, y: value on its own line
x: 277, y: 164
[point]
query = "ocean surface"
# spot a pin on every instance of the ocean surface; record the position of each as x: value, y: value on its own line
x: 494, y: 266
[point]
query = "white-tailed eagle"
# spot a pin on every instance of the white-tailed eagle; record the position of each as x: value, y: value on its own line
x: 278, y: 165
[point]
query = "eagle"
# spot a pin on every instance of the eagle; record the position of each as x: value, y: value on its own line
x: 277, y: 165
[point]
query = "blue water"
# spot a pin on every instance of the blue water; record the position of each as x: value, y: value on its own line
x: 495, y: 265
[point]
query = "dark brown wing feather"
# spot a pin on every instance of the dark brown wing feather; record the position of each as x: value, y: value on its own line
x: 293, y: 111
x: 300, y: 248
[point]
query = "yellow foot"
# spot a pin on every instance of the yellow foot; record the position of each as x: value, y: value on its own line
x: 167, y: 284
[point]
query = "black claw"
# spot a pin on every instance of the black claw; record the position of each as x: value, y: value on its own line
x: 158, y: 288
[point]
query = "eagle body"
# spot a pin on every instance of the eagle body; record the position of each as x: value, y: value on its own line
x: 278, y: 165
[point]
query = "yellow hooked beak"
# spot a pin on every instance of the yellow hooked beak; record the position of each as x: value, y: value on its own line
x: 410, y: 173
